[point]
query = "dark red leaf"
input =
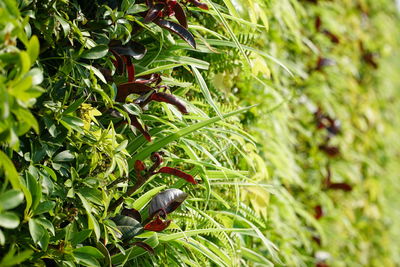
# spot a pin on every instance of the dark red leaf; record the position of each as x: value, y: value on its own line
x: 154, y: 12
x: 118, y: 62
x: 125, y: 89
x: 321, y: 264
x: 340, y: 186
x: 145, y: 246
x: 149, y: 78
x: 132, y: 213
x: 166, y: 202
x: 189, y: 178
x: 324, y: 62
x: 331, y: 151
x: 139, y: 165
x: 177, y: 29
x: 132, y: 49
x: 157, y: 225
x: 318, y: 212
x: 370, y: 58
x: 199, y: 4
x: 170, y: 99
x: 135, y: 123
x: 331, y: 36
x: 180, y: 15
x: 318, y: 23
x: 317, y: 240
x: 107, y: 74
x: 130, y: 68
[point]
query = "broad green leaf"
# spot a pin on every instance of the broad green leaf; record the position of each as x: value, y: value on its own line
x: 11, y: 199
x: 92, y: 222
x: 91, y: 251
x: 44, y: 207
x: 79, y: 237
x: 39, y: 234
x: 64, y: 156
x: 9, y: 220
x: 95, y: 52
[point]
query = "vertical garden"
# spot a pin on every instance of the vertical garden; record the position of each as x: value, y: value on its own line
x: 199, y: 133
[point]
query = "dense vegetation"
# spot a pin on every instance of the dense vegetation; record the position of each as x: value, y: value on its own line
x: 199, y: 133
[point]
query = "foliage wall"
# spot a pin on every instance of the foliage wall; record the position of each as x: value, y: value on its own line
x: 199, y: 133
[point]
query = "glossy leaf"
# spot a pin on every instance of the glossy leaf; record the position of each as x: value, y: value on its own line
x: 157, y: 225
x: 166, y: 202
x: 170, y: 99
x: 128, y: 226
x: 177, y: 29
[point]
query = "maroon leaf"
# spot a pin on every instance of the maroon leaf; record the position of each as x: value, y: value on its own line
x: 324, y: 62
x: 139, y: 165
x: 118, y: 62
x: 166, y: 202
x: 135, y: 122
x: 199, y: 4
x: 331, y: 151
x: 318, y: 23
x: 157, y: 225
x: 180, y: 15
x: 132, y: 213
x: 317, y: 240
x: 132, y: 49
x: 149, y: 78
x: 177, y: 29
x: 125, y: 89
x: 189, y: 178
x: 170, y: 99
x: 144, y: 246
x: 340, y: 186
x: 130, y: 69
x: 318, y: 212
x: 331, y: 36
x: 154, y: 12
x: 107, y: 74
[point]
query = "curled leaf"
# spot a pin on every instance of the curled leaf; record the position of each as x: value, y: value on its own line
x: 170, y: 99
x: 132, y: 49
x: 157, y: 225
x: 166, y: 202
x: 189, y: 178
x: 331, y: 151
x: 199, y: 4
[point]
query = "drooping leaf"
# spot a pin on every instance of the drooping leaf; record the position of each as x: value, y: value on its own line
x: 170, y: 99
x: 132, y: 49
x: 132, y: 213
x: 135, y: 123
x: 180, y: 15
x: 145, y: 246
x: 177, y: 29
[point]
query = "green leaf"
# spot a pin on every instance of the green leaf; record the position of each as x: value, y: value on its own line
x: 44, y: 207
x: 156, y: 146
x: 11, y: 199
x: 135, y: 251
x: 10, y: 259
x: 33, y: 48
x: 74, y: 106
x: 9, y: 220
x: 92, y: 222
x: 146, y: 197
x: 64, y: 156
x: 128, y: 226
x: 10, y: 171
x: 79, y: 237
x: 35, y: 190
x: 91, y: 251
x: 96, y: 72
x: 205, y: 91
x: 39, y: 234
x: 95, y: 52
